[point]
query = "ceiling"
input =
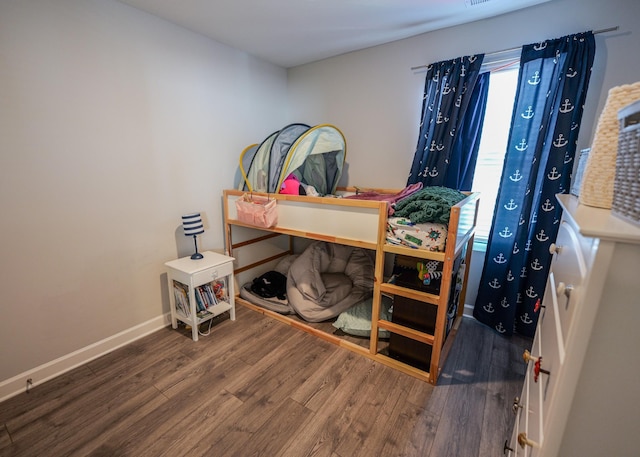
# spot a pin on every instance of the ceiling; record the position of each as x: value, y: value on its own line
x: 294, y: 32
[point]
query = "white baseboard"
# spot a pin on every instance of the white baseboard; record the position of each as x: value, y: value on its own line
x: 18, y: 384
x: 468, y: 310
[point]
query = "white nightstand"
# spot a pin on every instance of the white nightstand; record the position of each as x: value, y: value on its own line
x: 200, y: 289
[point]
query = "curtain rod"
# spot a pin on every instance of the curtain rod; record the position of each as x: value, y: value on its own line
x: 595, y: 32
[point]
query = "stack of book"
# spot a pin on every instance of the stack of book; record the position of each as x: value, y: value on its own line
x: 207, y: 295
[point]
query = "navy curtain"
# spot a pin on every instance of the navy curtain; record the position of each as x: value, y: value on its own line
x: 552, y: 86
x: 464, y: 153
x: 452, y: 117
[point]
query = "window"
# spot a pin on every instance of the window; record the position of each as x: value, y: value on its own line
x: 493, y: 146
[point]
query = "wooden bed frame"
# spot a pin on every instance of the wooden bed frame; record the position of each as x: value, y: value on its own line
x: 358, y: 223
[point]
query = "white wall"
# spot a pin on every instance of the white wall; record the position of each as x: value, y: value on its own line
x: 375, y: 98
x: 113, y: 123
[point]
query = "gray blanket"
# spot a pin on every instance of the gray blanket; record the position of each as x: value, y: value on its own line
x: 431, y: 204
x: 327, y: 278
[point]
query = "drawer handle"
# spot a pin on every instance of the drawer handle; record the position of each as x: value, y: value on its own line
x: 507, y: 448
x: 537, y: 365
x: 564, y: 289
x: 524, y: 441
x: 526, y: 355
x: 554, y: 248
x: 516, y: 405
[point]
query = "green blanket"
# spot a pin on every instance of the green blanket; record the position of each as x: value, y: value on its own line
x: 431, y: 204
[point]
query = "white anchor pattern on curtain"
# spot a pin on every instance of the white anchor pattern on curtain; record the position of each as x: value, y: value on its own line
x: 453, y: 104
x: 552, y: 87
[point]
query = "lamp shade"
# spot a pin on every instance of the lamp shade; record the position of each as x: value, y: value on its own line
x: 192, y: 224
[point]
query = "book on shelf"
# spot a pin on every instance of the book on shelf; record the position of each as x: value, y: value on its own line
x: 211, y: 298
x: 181, y: 295
x: 206, y: 296
x: 200, y: 304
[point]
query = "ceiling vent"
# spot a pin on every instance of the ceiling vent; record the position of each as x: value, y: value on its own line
x: 470, y: 3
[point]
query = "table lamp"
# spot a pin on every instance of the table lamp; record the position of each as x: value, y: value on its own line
x: 192, y: 225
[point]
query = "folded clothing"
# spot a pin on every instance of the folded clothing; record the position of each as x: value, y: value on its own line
x: 270, y: 284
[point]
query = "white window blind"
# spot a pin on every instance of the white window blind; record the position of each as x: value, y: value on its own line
x: 493, y: 143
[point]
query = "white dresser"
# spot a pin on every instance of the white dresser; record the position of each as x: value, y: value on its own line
x: 585, y: 355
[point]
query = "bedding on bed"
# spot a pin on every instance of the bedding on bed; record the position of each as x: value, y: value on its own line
x: 327, y: 279
x: 429, y: 235
x: 418, y: 216
x: 322, y: 282
x: 357, y: 319
x: 280, y: 306
x: 431, y: 204
x: 390, y: 198
x: 269, y: 289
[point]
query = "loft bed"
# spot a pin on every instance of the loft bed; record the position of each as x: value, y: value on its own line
x: 363, y: 224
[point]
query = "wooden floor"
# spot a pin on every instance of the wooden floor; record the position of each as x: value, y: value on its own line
x: 257, y: 387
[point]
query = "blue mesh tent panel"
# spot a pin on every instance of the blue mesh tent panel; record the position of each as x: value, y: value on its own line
x: 317, y: 158
x: 280, y: 149
x: 258, y: 173
x: 315, y: 155
x: 246, y: 159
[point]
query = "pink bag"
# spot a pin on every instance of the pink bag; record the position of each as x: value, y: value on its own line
x: 257, y: 210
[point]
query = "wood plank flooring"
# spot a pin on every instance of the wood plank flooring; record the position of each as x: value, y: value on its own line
x: 258, y: 387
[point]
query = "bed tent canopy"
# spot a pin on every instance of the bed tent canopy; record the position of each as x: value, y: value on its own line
x: 315, y: 155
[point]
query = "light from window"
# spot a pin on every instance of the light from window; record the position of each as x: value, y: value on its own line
x: 493, y: 146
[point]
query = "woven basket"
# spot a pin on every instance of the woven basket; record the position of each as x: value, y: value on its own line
x: 626, y: 188
x: 599, y: 175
